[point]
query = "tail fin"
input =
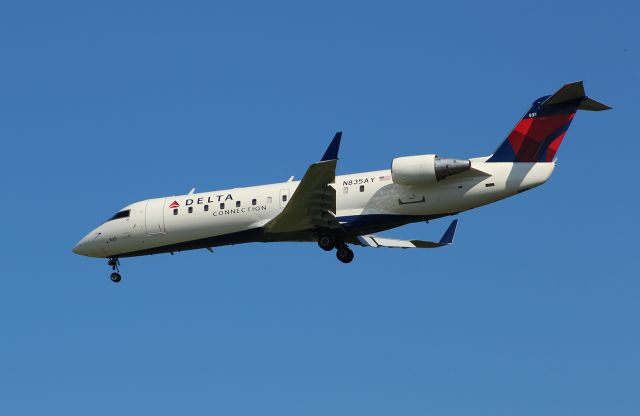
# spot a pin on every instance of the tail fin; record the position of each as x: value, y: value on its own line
x: 537, y: 136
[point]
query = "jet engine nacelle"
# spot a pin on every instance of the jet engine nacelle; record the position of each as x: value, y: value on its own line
x: 425, y: 169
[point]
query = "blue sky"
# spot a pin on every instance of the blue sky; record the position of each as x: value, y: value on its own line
x: 533, y: 311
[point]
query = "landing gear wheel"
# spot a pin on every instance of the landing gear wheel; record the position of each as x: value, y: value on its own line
x: 344, y: 254
x: 115, y: 277
x: 326, y: 243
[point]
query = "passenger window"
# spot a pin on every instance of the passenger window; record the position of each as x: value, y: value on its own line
x: 206, y: 207
x: 175, y: 211
x: 284, y: 198
x: 237, y: 204
x: 222, y: 205
x: 361, y: 188
x: 254, y: 201
x: 269, y: 200
x: 190, y: 210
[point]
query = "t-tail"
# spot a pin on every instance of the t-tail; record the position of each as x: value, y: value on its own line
x: 538, y: 135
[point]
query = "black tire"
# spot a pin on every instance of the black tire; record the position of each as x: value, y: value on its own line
x: 326, y: 243
x: 115, y: 277
x: 345, y: 255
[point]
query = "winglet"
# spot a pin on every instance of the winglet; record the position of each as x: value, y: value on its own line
x: 332, y: 151
x: 447, y: 237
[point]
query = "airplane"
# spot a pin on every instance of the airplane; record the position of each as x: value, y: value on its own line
x: 336, y: 211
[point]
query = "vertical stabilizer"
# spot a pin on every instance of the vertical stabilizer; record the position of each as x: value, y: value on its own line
x: 538, y: 135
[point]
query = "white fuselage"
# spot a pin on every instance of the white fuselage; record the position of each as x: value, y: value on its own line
x: 365, y: 202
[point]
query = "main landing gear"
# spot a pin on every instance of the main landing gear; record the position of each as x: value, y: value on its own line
x: 114, y: 263
x: 328, y: 243
x: 344, y: 254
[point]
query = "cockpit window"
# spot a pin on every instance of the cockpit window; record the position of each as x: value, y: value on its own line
x: 121, y: 214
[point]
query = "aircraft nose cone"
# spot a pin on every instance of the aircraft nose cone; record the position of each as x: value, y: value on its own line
x: 89, y: 246
x: 81, y: 248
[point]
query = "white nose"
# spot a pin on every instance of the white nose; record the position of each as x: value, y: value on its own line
x: 90, y: 246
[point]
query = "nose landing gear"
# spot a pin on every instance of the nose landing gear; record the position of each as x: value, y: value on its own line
x: 114, y: 262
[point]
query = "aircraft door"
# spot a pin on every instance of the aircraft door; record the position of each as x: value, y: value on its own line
x: 154, y: 216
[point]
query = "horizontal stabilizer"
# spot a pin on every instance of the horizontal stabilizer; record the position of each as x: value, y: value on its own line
x: 574, y: 93
x: 376, y: 242
x: 589, y: 104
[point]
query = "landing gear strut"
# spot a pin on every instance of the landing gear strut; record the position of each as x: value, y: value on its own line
x: 115, y: 263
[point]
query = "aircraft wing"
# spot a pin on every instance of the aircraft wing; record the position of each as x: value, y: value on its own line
x: 374, y: 241
x: 313, y: 204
